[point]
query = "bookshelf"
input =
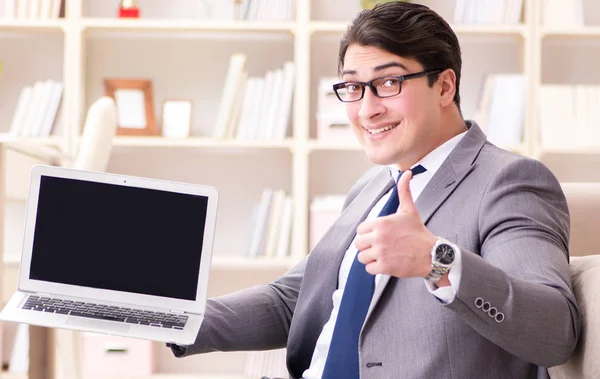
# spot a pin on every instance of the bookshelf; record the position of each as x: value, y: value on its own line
x: 187, y: 58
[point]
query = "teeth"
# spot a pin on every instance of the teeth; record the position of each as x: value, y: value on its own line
x: 381, y: 130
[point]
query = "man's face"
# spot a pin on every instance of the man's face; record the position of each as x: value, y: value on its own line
x: 412, y: 116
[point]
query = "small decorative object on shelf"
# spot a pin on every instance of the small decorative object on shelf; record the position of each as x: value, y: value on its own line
x: 176, y: 118
x: 134, y: 101
x: 368, y: 4
x: 129, y: 9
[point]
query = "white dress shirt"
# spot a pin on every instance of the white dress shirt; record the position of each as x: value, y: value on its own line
x: 432, y: 163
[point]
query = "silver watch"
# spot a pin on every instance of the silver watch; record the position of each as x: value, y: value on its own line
x: 443, y: 255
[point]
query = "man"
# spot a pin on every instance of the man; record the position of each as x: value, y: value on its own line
x: 469, y: 278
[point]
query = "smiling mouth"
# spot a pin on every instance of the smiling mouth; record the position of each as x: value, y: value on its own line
x: 381, y: 130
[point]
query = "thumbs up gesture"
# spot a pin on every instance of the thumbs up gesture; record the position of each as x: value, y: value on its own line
x: 399, y: 244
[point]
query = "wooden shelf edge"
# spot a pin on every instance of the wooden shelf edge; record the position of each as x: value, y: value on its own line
x: 509, y: 29
x: 152, y: 141
x: 315, y: 145
x: 13, y: 375
x: 50, y: 141
x: 570, y: 151
x: 32, y: 25
x: 11, y: 260
x: 122, y: 25
x: 581, y: 31
x: 474, y: 29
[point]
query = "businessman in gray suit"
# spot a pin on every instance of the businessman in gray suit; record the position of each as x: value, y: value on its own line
x: 467, y: 277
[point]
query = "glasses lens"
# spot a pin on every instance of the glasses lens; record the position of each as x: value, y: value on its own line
x: 388, y: 86
x: 350, y: 91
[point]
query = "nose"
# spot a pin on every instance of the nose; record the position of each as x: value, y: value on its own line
x: 370, y: 105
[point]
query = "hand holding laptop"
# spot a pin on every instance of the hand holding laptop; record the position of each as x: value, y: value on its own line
x: 96, y: 245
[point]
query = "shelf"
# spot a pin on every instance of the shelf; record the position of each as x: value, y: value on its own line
x: 340, y: 27
x: 49, y: 141
x: 328, y: 26
x: 157, y: 25
x: 316, y: 145
x: 32, y: 25
x: 583, y: 150
x: 517, y: 30
x: 12, y: 259
x: 11, y: 375
x: 151, y: 141
x: 582, y: 31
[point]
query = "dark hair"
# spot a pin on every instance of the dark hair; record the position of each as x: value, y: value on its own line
x: 408, y: 30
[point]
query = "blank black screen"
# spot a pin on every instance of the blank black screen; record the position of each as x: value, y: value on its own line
x: 117, y: 237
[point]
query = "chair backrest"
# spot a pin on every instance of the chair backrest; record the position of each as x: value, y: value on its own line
x: 584, y: 363
x: 95, y: 144
x: 584, y: 206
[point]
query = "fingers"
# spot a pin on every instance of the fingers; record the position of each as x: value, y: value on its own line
x: 369, y: 259
x: 363, y: 242
x: 407, y: 204
x: 366, y: 227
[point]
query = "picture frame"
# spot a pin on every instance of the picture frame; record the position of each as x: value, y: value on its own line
x: 176, y: 118
x: 135, y: 106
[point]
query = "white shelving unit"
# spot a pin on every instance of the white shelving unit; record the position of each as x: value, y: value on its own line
x: 187, y: 58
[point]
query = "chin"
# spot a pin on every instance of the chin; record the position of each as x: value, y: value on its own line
x: 378, y: 158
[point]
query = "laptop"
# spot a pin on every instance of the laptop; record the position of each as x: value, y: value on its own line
x: 115, y: 254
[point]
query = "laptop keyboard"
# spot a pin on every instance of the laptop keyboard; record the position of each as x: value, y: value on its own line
x: 105, y: 312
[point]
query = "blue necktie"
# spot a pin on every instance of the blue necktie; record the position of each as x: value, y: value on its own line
x: 342, y: 359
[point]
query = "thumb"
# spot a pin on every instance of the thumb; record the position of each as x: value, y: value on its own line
x: 404, y: 195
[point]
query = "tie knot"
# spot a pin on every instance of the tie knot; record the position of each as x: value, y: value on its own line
x: 415, y: 170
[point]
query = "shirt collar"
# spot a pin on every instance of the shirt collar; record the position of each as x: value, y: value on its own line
x: 433, y: 161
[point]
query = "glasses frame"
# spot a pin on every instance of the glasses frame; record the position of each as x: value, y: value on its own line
x: 363, y: 85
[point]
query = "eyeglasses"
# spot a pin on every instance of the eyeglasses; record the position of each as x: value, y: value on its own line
x: 385, y: 86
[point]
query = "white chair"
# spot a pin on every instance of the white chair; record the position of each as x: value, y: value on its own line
x: 95, y: 144
x: 93, y: 154
x: 584, y: 207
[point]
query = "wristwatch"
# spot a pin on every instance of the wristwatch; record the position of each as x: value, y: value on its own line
x: 443, y: 255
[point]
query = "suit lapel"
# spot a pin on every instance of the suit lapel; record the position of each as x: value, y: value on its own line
x: 447, y: 178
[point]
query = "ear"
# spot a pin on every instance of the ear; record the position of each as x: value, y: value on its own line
x: 447, y: 83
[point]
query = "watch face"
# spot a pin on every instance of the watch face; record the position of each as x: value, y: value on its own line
x: 444, y: 254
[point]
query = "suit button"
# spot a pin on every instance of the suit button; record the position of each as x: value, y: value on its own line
x: 492, y: 312
x: 486, y: 306
x: 479, y: 302
x: 499, y: 317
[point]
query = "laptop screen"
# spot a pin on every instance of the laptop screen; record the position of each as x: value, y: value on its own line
x: 120, y: 238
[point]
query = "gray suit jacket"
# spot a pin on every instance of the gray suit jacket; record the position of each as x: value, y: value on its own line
x: 508, y: 215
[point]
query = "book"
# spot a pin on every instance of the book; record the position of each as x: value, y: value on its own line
x: 233, y: 81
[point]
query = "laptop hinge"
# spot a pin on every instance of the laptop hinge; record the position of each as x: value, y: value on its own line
x: 175, y: 311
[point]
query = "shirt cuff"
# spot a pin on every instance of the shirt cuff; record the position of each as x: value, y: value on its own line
x: 447, y: 294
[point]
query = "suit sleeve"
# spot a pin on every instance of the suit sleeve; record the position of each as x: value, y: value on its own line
x: 256, y: 318
x: 522, y: 269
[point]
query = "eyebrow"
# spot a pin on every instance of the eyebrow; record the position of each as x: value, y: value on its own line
x: 378, y: 68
